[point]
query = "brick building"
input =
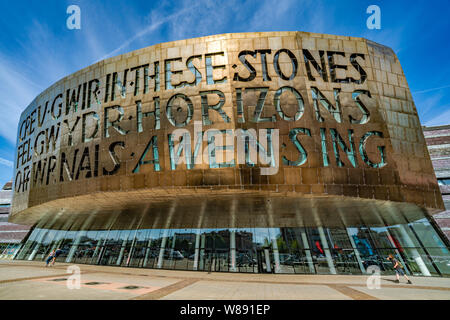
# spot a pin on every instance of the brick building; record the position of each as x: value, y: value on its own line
x: 11, y: 235
x: 438, y: 142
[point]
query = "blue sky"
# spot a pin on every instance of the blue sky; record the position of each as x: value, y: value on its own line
x: 37, y: 49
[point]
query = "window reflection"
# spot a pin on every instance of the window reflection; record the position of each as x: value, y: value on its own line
x: 288, y: 250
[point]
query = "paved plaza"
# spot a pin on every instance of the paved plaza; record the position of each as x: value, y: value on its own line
x: 32, y: 280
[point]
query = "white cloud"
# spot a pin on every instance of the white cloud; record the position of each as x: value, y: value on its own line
x: 16, y: 92
x: 439, y: 120
x: 427, y: 104
x: 269, y: 13
x: 431, y: 89
x: 6, y: 162
x: 156, y: 23
x: 23, y: 76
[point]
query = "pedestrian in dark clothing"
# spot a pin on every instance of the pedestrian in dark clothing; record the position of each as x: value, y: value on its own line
x: 49, y: 258
x: 57, y: 253
x: 398, y: 269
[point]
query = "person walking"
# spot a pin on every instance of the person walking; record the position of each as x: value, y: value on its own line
x: 55, y: 255
x: 398, y: 269
x: 49, y: 258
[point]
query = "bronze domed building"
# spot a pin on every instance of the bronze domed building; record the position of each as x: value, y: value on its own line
x: 285, y: 152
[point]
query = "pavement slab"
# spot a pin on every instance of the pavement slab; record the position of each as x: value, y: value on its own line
x: 32, y: 280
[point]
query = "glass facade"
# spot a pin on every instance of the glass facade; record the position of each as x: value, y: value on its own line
x: 9, y: 250
x: 289, y: 250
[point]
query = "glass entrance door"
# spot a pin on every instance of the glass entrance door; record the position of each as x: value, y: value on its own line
x: 216, y: 260
x: 302, y: 262
x: 246, y: 261
x: 221, y: 260
x: 346, y: 261
x: 264, y: 260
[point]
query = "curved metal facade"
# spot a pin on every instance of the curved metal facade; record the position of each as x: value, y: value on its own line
x: 236, y: 128
x: 283, y: 152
